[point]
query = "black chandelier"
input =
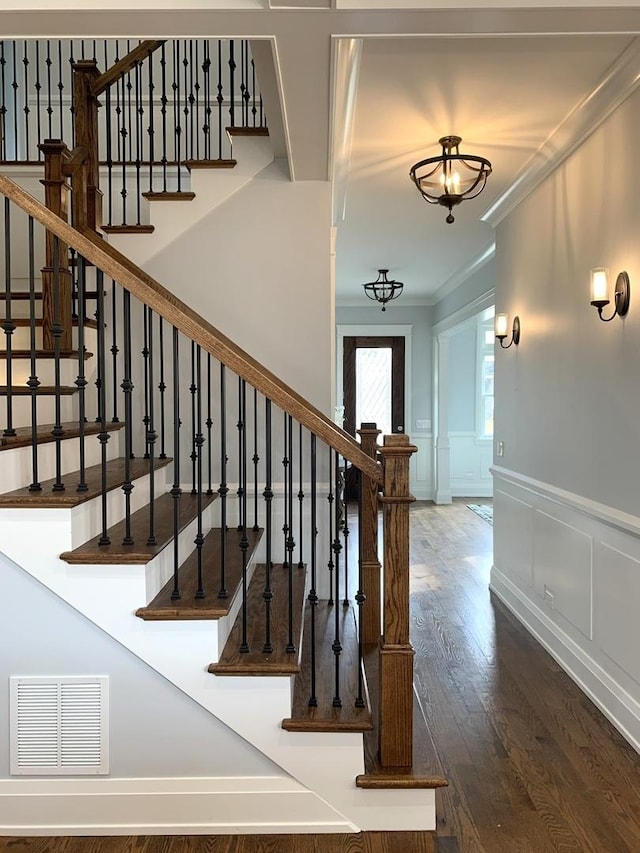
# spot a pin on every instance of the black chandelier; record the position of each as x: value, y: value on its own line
x: 382, y: 290
x: 452, y: 177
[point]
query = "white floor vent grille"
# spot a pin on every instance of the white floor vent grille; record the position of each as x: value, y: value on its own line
x: 59, y: 726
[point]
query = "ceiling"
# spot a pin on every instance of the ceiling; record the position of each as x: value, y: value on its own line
x: 503, y: 95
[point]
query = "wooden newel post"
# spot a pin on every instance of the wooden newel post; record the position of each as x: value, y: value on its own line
x: 85, y: 73
x: 57, y: 285
x: 396, y: 652
x: 370, y: 562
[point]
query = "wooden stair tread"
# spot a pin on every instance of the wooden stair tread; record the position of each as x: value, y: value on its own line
x: 211, y: 607
x: 44, y: 434
x: 220, y: 163
x: 127, y: 229
x: 45, y: 353
x: 48, y: 499
x: 426, y: 764
x: 139, y: 552
x: 41, y: 390
x: 169, y: 196
x: 324, y: 717
x: 256, y: 661
x: 247, y: 131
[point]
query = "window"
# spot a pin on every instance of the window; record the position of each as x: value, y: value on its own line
x: 485, y: 364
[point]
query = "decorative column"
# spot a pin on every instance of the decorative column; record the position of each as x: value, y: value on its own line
x: 370, y: 564
x: 396, y: 652
x: 442, y: 445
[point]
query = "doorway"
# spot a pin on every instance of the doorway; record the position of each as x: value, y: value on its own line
x: 373, y: 382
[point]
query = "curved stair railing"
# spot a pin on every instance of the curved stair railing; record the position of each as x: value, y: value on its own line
x: 213, y: 439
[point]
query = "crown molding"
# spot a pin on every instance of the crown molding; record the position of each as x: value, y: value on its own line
x: 462, y: 274
x: 620, y: 81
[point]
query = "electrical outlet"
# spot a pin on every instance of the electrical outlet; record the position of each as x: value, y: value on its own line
x: 500, y: 448
x: 426, y: 425
x: 549, y: 596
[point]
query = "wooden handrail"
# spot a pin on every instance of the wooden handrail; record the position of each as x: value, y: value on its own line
x: 126, y: 64
x: 196, y: 328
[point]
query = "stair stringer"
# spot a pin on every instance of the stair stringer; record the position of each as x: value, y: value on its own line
x: 326, y: 764
x: 212, y: 187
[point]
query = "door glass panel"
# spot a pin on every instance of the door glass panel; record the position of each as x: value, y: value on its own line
x: 373, y: 387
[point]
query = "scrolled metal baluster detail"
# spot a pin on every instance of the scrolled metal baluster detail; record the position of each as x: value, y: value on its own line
x: 336, y: 646
x: 267, y: 594
x: 33, y: 382
x: 127, y: 389
x: 176, y: 491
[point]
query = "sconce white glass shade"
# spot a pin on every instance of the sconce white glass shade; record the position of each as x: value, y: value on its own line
x: 501, y: 325
x: 599, y: 284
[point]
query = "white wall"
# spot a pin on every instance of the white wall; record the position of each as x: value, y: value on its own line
x: 567, y: 496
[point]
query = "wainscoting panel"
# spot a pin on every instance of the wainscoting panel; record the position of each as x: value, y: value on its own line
x: 421, y: 471
x: 562, y: 570
x: 569, y: 569
x: 470, y: 462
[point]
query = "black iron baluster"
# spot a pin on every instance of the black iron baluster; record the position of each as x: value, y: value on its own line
x: 60, y: 89
x: 190, y: 100
x: 162, y: 389
x: 56, y: 334
x: 8, y: 325
x: 290, y: 541
x: 232, y: 92
x: 206, y: 78
x: 151, y: 438
x: 38, y: 88
x: 49, y: 63
x: 145, y: 374
x: 3, y: 107
x: 285, y: 483
x: 15, y: 87
x: 255, y: 459
x: 25, y: 63
x: 176, y: 491
x: 34, y: 382
x: 127, y: 389
x: 196, y: 123
x: 129, y: 111
x: 223, y: 489
x: 109, y: 154
x: 139, y: 113
x: 345, y: 533
x: 150, y: 126
x: 81, y: 382
x: 244, y: 543
x: 254, y: 109
x: 209, y: 425
x: 199, y: 442
x: 337, y: 645
x: 300, y: 500
x: 176, y: 109
x: 123, y: 147
x: 267, y: 595
x: 103, y: 435
x: 114, y: 352
x: 163, y: 111
x: 192, y: 391
x: 313, y: 595
x: 360, y: 596
x: 220, y: 99
x: 243, y: 83
x: 330, y: 565
x: 240, y: 425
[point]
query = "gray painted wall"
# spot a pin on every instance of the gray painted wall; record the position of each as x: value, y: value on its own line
x: 155, y: 730
x: 462, y: 380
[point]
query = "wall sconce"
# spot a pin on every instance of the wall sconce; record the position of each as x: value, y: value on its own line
x: 501, y: 326
x: 600, y: 290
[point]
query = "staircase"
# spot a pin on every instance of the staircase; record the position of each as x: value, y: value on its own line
x: 189, y: 504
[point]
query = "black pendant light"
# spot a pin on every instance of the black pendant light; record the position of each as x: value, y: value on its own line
x: 452, y: 177
x: 382, y: 290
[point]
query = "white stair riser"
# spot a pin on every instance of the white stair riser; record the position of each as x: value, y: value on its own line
x: 45, y: 371
x: 17, y: 469
x: 21, y: 338
x: 21, y: 410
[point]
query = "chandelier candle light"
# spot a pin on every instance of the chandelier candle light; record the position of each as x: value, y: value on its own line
x: 382, y: 290
x: 452, y: 177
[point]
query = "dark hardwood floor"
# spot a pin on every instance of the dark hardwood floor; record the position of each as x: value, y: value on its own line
x: 533, y: 766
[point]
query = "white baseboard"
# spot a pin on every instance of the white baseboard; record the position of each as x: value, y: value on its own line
x: 198, y: 806
x: 614, y: 702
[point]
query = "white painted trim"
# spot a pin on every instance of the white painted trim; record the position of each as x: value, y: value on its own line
x: 614, y: 702
x: 194, y: 806
x: 451, y: 323
x: 347, y: 54
x: 461, y: 275
x: 620, y: 81
x: 610, y: 516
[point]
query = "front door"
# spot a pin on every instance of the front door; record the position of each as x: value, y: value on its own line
x: 373, y: 383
